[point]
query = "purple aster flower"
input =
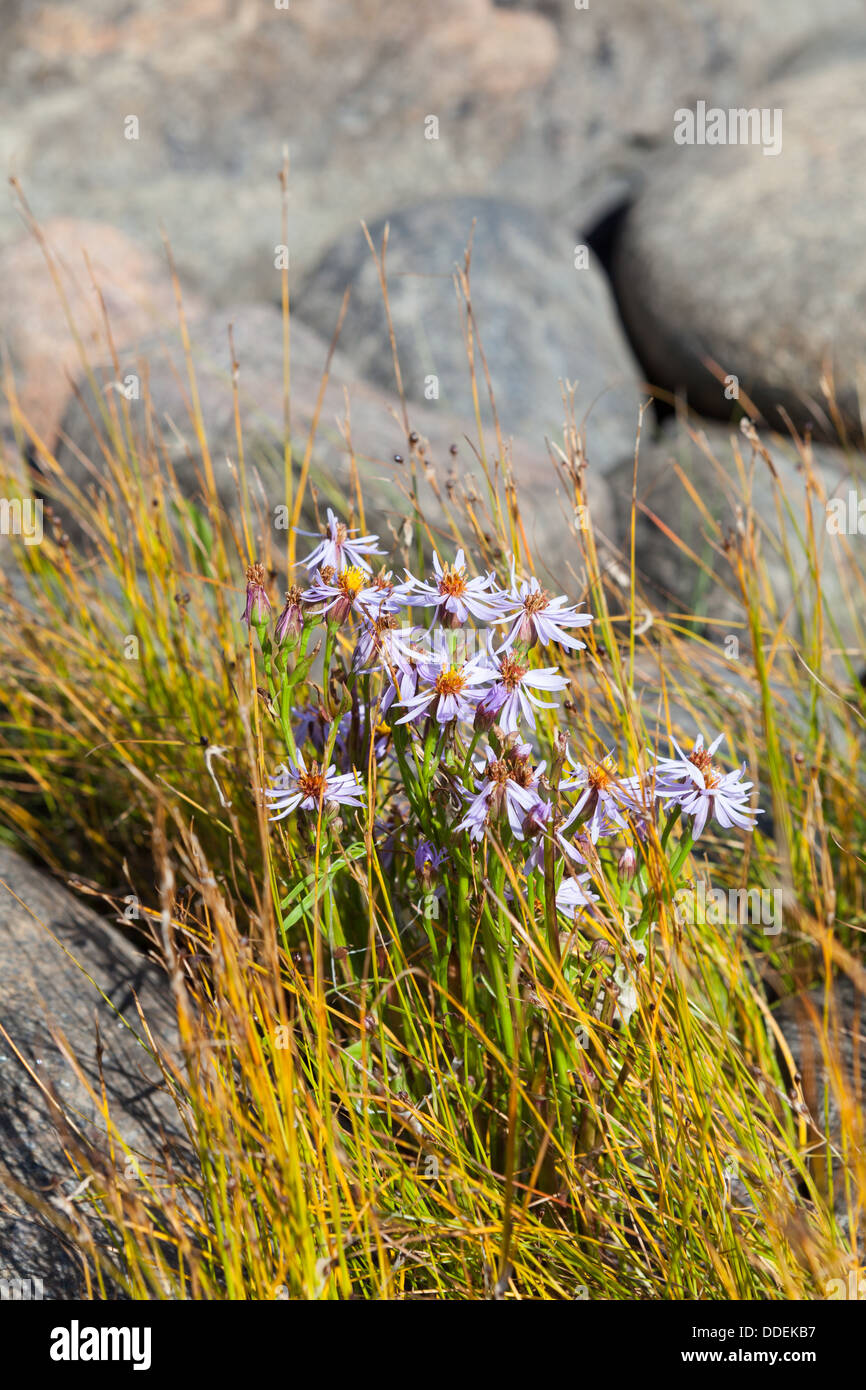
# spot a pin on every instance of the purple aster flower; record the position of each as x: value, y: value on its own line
x: 298, y: 788
x: 405, y: 688
x: 258, y: 605
x: 341, y: 548
x: 572, y: 895
x: 509, y: 788
x: 536, y: 617
x: 383, y: 643
x: 603, y: 797
x: 428, y: 859
x: 382, y: 595
x: 390, y: 593
x: 453, y: 595
x: 346, y: 592
x: 694, y: 783
x: 447, y: 692
x: 512, y: 694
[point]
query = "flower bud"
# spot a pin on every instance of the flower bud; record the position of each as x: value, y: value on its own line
x: 536, y: 818
x: 485, y: 713
x: 627, y: 865
x: 258, y: 605
x: 290, y: 623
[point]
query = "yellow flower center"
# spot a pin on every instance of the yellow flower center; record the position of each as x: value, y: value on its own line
x: 450, y: 681
x: 453, y: 582
x: 351, y: 581
x: 599, y: 777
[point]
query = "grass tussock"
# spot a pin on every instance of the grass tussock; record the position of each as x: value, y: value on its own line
x: 378, y: 1100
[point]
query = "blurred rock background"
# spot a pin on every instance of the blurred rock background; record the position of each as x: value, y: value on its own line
x: 604, y: 252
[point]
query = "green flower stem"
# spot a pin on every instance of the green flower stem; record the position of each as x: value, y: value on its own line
x: 334, y: 934
x: 671, y: 822
x: 675, y: 867
x: 431, y: 740
x: 497, y: 885
x: 681, y: 856
x: 418, y: 803
x: 289, y: 678
x: 497, y: 974
x: 464, y: 942
x: 330, y: 644
x: 550, y: 901
x: 467, y: 765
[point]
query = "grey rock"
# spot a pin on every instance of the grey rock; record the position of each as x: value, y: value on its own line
x: 540, y: 319
x: 218, y: 90
x: 710, y: 458
x: 626, y: 66
x: 756, y: 262
x: 100, y: 273
x: 558, y: 107
x: 377, y: 434
x: 831, y: 1064
x: 45, y: 936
